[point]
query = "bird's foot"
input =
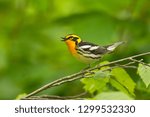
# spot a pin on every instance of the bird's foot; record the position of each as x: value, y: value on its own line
x: 86, y: 68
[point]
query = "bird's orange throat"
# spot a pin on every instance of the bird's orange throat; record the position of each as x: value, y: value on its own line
x: 71, y: 46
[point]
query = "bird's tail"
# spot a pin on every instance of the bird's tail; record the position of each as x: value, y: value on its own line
x: 112, y: 47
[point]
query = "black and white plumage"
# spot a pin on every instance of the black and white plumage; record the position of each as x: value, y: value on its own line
x: 86, y: 51
x: 91, y: 52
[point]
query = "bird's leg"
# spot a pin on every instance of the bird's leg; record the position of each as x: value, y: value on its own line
x: 87, y: 67
x: 98, y: 64
x: 89, y: 72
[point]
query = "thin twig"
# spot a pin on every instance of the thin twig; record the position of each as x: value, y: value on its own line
x: 127, y: 66
x: 81, y: 74
x: 48, y: 97
x: 139, y: 61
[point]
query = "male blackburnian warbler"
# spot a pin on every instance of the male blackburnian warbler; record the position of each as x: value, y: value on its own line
x: 85, y: 51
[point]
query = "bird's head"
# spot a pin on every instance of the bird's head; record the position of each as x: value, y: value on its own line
x: 71, y: 38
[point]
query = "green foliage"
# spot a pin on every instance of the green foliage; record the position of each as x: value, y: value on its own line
x: 31, y: 53
x: 98, y: 81
x: 144, y: 72
x: 123, y: 78
x: 116, y: 95
x: 94, y: 84
x: 118, y: 86
x: 119, y: 79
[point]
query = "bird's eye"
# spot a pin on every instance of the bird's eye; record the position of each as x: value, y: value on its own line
x: 75, y: 38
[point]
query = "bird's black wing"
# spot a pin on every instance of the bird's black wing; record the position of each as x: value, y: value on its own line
x: 90, y: 50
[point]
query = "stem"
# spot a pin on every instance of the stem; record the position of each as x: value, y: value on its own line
x: 81, y: 74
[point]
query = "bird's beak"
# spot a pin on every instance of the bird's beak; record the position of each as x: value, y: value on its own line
x: 63, y: 39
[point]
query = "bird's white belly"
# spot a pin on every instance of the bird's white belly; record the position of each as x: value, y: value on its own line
x: 85, y: 59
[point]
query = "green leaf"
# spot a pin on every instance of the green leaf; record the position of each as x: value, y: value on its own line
x: 97, y: 83
x: 121, y: 76
x: 94, y: 84
x: 102, y: 74
x: 144, y: 72
x: 104, y: 63
x: 118, y: 86
x: 112, y: 96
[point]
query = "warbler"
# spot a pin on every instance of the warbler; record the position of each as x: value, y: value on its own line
x: 85, y: 51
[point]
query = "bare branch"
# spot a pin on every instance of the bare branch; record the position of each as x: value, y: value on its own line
x: 88, y: 72
x: 139, y: 61
x: 53, y: 97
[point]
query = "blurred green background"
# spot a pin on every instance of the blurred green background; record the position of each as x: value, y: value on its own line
x: 31, y: 53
